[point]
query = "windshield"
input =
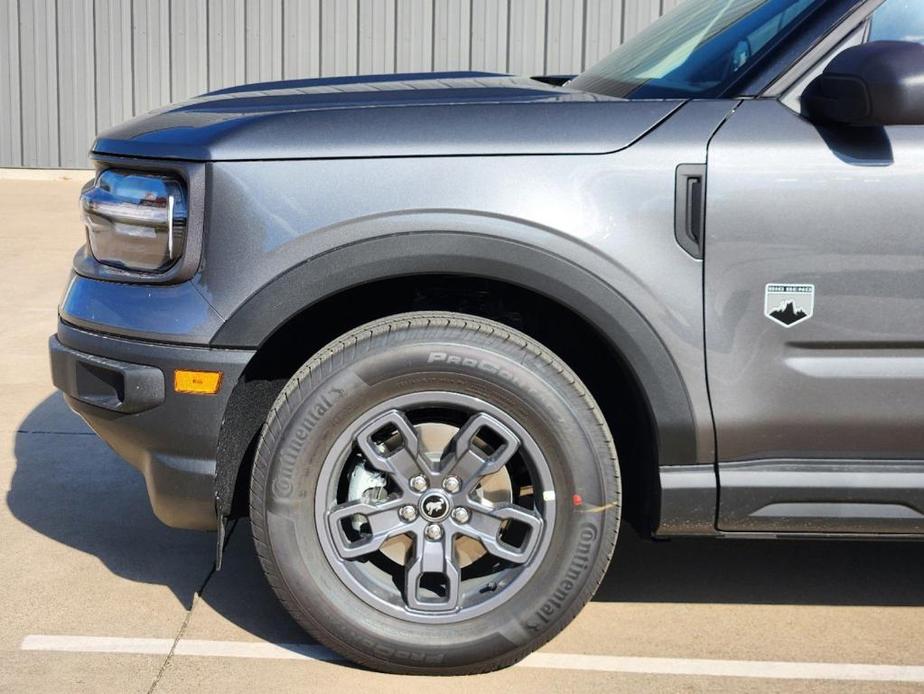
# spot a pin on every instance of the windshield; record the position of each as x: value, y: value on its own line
x: 694, y: 51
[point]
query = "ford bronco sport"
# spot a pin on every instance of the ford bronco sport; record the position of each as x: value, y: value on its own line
x: 438, y: 334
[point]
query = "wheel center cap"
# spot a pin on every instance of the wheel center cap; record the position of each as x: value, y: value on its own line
x: 434, y: 506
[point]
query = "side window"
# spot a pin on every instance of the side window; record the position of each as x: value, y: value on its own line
x: 898, y: 20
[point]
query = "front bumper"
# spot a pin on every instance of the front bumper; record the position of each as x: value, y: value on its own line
x: 124, y: 390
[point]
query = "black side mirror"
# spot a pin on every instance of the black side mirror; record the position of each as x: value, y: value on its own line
x: 878, y: 83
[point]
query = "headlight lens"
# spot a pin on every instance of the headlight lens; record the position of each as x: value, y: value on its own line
x: 135, y: 221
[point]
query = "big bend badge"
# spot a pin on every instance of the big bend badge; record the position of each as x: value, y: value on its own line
x: 789, y: 304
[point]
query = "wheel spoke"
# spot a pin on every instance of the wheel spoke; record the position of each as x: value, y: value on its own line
x: 465, y: 460
x: 405, y: 461
x: 425, y: 489
x: 432, y: 557
x: 384, y: 524
x: 486, y: 523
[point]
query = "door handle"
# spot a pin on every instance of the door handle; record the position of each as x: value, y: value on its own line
x: 690, y: 208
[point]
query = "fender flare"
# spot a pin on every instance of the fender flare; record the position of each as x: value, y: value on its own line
x: 536, y: 258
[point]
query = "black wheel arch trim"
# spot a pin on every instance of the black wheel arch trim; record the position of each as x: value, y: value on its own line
x: 409, y: 246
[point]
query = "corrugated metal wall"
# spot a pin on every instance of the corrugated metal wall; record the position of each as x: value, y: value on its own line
x: 70, y: 68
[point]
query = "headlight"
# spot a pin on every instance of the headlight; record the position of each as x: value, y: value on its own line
x: 135, y: 221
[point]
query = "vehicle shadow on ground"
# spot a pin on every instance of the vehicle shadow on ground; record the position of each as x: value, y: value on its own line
x: 71, y: 488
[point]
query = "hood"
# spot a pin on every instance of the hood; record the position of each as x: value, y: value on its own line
x: 432, y: 114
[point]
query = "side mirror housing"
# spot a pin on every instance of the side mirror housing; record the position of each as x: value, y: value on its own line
x: 876, y: 84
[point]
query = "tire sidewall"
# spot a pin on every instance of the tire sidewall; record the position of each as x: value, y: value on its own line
x: 536, y: 392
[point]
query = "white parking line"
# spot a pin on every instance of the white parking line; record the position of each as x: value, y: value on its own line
x: 556, y: 661
x: 215, y: 649
x: 762, y: 669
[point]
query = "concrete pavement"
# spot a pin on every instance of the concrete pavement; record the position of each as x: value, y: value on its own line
x: 83, y: 556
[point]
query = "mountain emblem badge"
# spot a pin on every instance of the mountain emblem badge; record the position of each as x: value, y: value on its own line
x: 789, y: 304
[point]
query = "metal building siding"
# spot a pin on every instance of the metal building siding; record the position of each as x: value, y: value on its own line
x: 76, y: 83
x: 526, y: 37
x: 188, y: 48
x: 564, y: 40
x: 70, y: 68
x: 112, y: 48
x: 339, y: 37
x: 38, y: 85
x: 489, y: 35
x: 301, y: 38
x: 150, y: 53
x: 452, y: 30
x: 414, y: 36
x: 225, y: 43
x: 376, y: 36
x: 10, y: 103
x: 263, y: 40
x: 602, y: 29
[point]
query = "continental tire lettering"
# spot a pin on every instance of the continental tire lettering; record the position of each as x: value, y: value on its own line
x: 580, y: 562
x: 283, y: 486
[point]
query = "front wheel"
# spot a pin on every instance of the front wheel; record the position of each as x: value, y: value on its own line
x: 434, y: 493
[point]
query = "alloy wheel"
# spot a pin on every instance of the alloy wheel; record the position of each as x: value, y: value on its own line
x: 435, y: 506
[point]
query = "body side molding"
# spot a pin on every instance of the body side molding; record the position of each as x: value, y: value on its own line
x: 822, y: 496
x: 689, y: 495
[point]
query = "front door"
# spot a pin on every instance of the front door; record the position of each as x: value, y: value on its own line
x: 814, y: 310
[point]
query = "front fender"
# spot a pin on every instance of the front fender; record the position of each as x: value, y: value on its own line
x: 532, y: 257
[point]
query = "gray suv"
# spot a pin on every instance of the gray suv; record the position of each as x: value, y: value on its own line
x: 438, y: 334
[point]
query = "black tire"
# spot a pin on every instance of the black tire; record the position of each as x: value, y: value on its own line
x: 404, y: 354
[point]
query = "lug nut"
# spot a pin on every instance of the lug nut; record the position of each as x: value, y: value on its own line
x: 461, y: 515
x: 418, y: 483
x: 433, y: 532
x: 452, y: 484
x: 408, y: 513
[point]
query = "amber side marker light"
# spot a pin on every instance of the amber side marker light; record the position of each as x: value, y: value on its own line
x: 196, y: 382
